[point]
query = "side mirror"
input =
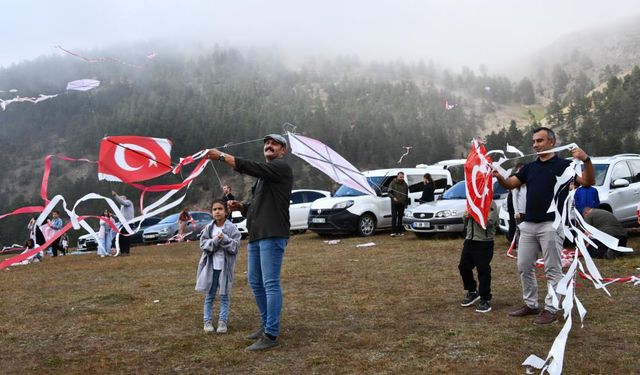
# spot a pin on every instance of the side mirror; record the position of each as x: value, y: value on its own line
x: 621, y: 182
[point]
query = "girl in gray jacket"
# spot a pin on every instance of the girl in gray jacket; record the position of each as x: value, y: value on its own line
x: 219, y: 243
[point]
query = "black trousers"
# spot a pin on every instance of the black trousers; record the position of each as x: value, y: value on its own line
x: 56, y: 246
x: 477, y: 254
x: 125, y: 244
x: 397, y: 212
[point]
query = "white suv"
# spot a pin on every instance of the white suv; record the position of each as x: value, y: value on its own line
x: 351, y: 211
x: 618, y: 185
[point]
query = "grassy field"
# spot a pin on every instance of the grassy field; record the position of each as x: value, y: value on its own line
x: 389, y: 309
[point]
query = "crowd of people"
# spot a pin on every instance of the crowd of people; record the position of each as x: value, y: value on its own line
x: 531, y: 193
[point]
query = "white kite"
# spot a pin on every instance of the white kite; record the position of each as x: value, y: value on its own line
x: 83, y: 84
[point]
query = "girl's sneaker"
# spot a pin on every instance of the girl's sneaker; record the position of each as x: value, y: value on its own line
x: 208, y: 327
x: 484, y: 306
x: 222, y: 327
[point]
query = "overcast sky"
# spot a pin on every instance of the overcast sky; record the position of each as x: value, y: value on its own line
x: 464, y: 32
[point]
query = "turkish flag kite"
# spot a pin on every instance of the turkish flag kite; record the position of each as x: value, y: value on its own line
x: 479, y: 186
x: 133, y: 158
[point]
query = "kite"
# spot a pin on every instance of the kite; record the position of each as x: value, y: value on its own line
x: 330, y: 162
x: 19, y: 99
x: 407, y: 148
x: 478, y: 183
x: 102, y: 59
x: 133, y: 158
x: 83, y: 84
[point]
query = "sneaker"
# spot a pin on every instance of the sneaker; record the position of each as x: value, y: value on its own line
x: 222, y: 327
x: 263, y: 343
x: 546, y: 317
x: 470, y: 299
x: 483, y: 307
x: 524, y: 311
x: 400, y: 234
x: 208, y: 327
x: 255, y: 335
x: 393, y: 235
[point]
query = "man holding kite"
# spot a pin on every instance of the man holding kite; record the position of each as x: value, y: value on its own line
x: 268, y: 222
x: 536, y: 231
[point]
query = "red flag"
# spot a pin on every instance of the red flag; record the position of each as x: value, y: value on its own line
x: 479, y: 186
x: 133, y: 158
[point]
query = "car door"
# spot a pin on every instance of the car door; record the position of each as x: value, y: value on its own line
x: 623, y: 199
x: 298, y: 211
x: 635, y: 187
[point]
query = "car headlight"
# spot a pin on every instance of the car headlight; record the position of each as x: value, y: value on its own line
x: 447, y: 213
x: 164, y: 231
x: 342, y: 205
x: 408, y: 213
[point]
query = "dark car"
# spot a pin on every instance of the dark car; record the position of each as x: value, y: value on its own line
x: 88, y: 243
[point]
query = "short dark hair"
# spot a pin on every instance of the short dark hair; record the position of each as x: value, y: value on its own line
x: 428, y: 177
x: 550, y: 132
x: 223, y: 203
x: 400, y: 173
x: 55, y: 212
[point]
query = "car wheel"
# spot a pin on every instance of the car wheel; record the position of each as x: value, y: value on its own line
x: 366, y: 225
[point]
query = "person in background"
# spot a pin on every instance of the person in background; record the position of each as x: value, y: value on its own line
x: 226, y: 194
x: 477, y: 253
x: 55, y: 224
x: 219, y: 243
x: 126, y: 208
x: 183, y: 219
x: 268, y: 223
x: 585, y: 196
x: 105, y: 235
x: 604, y: 220
x: 399, y: 194
x: 428, y: 189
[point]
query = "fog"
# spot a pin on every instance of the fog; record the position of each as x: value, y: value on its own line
x: 452, y: 33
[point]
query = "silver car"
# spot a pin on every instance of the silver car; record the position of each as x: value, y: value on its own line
x: 445, y: 214
x: 168, y: 227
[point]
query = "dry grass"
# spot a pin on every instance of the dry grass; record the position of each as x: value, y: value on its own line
x: 393, y: 308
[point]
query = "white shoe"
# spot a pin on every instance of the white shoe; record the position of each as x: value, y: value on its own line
x: 392, y: 235
x: 102, y: 256
x: 222, y: 327
x: 208, y: 327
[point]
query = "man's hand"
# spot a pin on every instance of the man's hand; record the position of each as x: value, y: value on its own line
x: 579, y: 154
x: 113, y: 192
x: 214, y: 154
x: 234, y: 205
x: 516, y: 216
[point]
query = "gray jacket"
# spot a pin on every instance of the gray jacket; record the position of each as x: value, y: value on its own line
x: 475, y: 232
x: 229, y: 243
x: 126, y: 207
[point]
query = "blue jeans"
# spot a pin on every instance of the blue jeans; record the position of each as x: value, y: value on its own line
x: 210, y: 298
x: 265, y: 262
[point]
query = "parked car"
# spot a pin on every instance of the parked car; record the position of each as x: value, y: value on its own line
x: 88, y: 242
x: 352, y: 211
x: 618, y: 185
x: 299, y: 207
x: 168, y: 227
x: 445, y: 214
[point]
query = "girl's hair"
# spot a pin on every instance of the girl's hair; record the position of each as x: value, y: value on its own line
x: 223, y: 203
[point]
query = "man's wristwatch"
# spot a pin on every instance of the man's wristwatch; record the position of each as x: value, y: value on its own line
x: 221, y: 157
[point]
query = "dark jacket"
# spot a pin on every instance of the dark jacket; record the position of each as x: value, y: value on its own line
x: 428, y: 193
x: 267, y: 212
x: 400, y: 191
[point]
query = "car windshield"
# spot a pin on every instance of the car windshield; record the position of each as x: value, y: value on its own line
x: 601, y: 173
x: 458, y: 191
x: 169, y: 219
x: 345, y: 191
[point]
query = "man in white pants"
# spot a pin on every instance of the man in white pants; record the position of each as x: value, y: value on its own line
x: 536, y: 231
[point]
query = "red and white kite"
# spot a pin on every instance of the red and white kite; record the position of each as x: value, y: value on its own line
x: 133, y: 158
x: 479, y: 186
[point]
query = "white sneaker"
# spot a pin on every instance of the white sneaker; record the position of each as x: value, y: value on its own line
x: 222, y: 327
x: 392, y: 235
x: 208, y: 327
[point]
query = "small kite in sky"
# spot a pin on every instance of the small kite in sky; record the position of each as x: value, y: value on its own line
x: 83, y: 84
